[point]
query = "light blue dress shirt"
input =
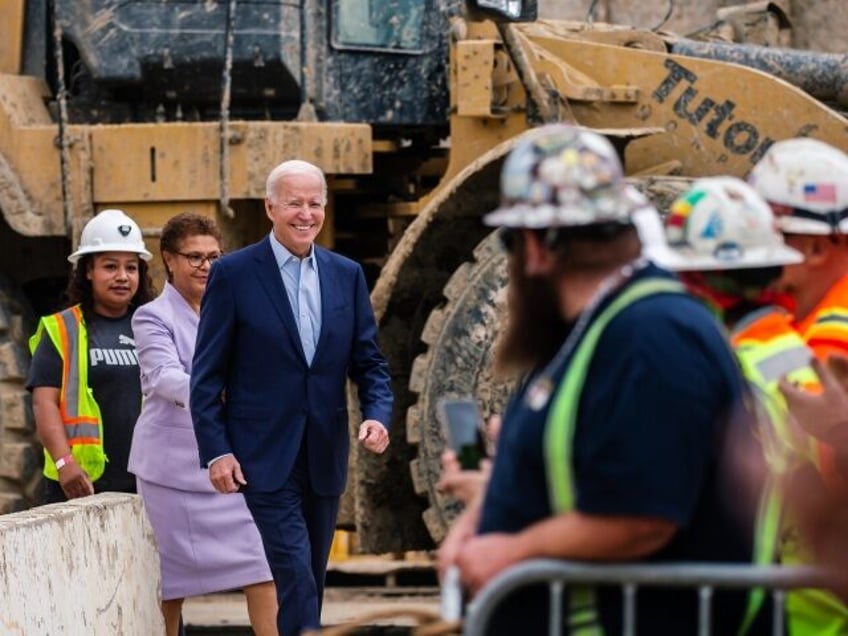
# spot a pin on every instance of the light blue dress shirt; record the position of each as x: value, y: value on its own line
x: 300, y: 277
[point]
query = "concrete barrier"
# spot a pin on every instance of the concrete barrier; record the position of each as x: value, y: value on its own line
x: 89, y: 566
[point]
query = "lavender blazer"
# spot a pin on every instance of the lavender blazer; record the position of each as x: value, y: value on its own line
x: 164, y: 447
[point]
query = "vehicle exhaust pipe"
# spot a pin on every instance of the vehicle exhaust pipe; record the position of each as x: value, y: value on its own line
x: 821, y: 75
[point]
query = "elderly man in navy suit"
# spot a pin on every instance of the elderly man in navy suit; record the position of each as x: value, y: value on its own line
x: 283, y: 324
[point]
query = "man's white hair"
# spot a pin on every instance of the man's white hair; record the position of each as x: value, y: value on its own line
x: 289, y: 168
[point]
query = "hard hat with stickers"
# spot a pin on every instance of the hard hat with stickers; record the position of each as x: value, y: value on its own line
x: 560, y: 176
x: 721, y: 223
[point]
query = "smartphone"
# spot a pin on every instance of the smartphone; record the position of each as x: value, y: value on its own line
x: 463, y: 425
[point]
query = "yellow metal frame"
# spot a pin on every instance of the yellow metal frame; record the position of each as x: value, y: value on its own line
x: 149, y: 167
x: 11, y: 45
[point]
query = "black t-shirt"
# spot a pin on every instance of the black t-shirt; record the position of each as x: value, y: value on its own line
x: 651, y: 424
x: 113, y: 377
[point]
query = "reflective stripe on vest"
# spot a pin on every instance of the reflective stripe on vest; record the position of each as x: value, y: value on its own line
x: 783, y: 362
x: 830, y: 326
x: 833, y: 316
x: 79, y: 411
x: 559, y: 435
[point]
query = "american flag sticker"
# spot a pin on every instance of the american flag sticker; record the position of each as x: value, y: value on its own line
x: 821, y: 192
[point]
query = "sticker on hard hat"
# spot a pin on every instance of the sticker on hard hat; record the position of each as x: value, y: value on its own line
x: 822, y: 192
x: 728, y: 251
x: 124, y: 230
x: 713, y: 228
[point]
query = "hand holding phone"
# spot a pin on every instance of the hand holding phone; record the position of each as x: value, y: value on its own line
x: 463, y: 425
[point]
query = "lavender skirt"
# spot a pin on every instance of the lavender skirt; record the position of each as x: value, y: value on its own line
x: 207, y: 542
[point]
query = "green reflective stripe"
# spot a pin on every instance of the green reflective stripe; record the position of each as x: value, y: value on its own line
x: 766, y: 535
x: 562, y: 418
x: 583, y: 617
x: 771, y: 428
x: 781, y: 363
x: 559, y: 432
x: 589, y: 628
x: 71, y: 387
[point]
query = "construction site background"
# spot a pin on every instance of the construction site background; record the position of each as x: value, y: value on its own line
x: 818, y: 25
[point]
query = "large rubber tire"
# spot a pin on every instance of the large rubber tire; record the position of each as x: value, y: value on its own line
x: 20, y: 454
x: 388, y: 513
x: 460, y: 337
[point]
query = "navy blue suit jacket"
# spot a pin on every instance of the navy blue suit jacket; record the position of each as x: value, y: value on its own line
x: 252, y: 392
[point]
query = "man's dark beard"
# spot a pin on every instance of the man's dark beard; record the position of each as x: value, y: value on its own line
x: 534, y: 328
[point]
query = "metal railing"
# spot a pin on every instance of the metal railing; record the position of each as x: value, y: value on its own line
x: 700, y: 576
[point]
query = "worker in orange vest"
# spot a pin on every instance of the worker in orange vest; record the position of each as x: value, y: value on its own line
x: 805, y: 181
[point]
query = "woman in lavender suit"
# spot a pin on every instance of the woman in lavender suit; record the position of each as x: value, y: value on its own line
x: 207, y: 541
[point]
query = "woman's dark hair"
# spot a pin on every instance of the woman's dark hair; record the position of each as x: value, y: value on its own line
x: 79, y: 290
x: 182, y: 226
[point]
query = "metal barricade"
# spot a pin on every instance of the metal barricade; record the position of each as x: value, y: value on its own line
x: 700, y: 576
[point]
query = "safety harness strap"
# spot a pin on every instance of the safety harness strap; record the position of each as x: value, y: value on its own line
x: 562, y: 418
x: 559, y: 434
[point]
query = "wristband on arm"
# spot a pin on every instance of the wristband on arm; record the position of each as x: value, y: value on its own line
x: 63, y: 461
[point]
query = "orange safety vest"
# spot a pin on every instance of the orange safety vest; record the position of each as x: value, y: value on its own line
x: 825, y: 330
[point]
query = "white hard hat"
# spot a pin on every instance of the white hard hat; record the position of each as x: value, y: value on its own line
x: 560, y: 176
x: 806, y: 183
x: 721, y: 223
x: 111, y: 231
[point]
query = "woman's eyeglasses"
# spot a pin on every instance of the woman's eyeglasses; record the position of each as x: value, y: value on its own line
x: 196, y: 259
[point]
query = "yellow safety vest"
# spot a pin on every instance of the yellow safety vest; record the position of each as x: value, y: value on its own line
x: 768, y: 348
x: 80, y: 412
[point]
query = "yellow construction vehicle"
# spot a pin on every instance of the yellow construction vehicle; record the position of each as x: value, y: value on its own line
x: 408, y: 106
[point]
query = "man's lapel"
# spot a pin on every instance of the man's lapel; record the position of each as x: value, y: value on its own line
x: 331, y: 295
x: 271, y: 280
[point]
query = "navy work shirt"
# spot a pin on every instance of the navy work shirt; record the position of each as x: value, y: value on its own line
x: 651, y: 425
